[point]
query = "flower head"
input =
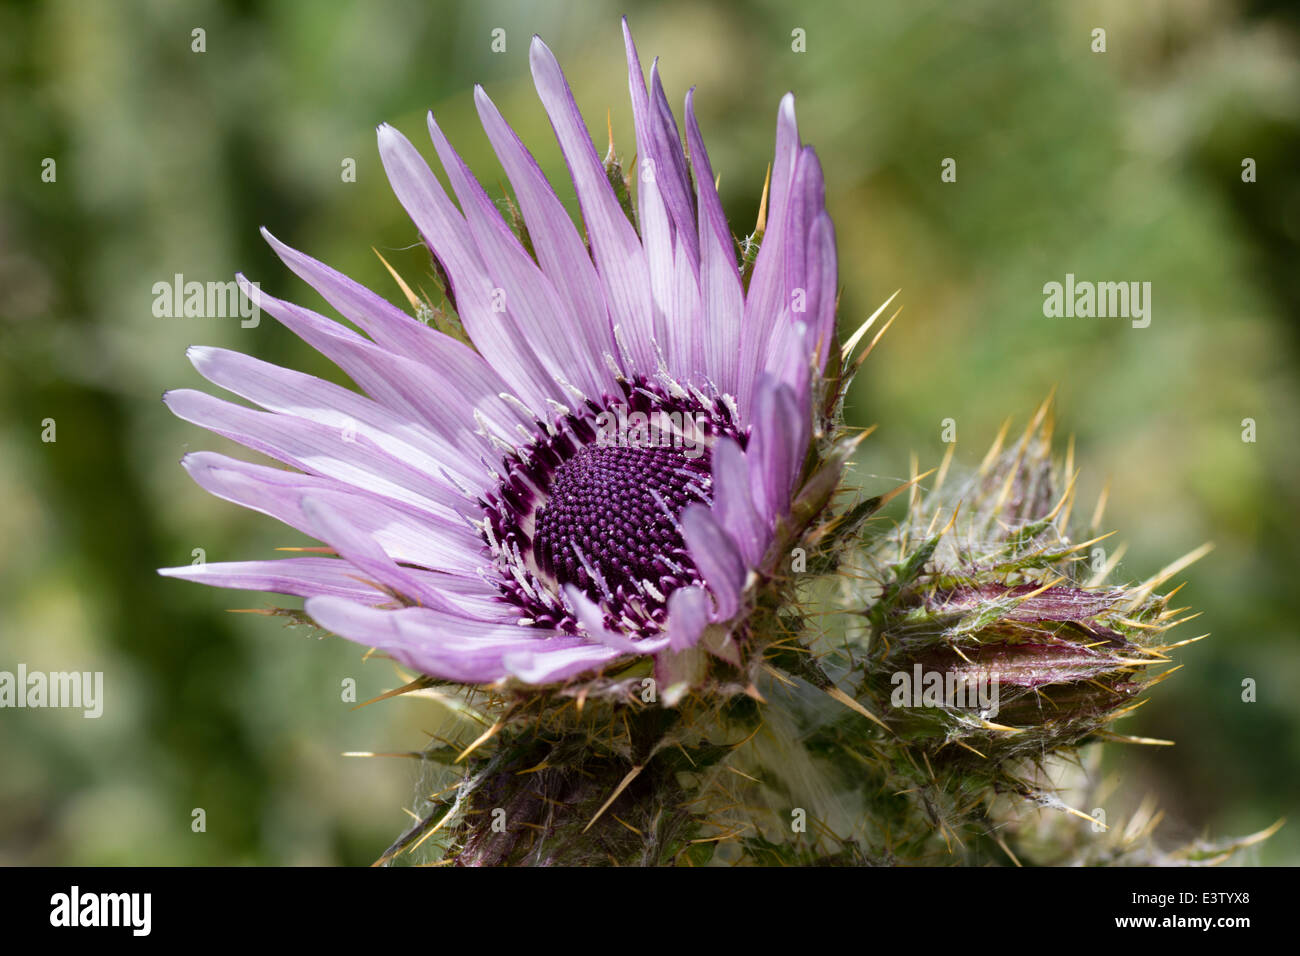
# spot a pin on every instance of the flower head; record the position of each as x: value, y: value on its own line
x: 606, y: 470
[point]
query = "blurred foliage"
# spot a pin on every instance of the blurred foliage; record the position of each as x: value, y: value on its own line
x: 1117, y: 166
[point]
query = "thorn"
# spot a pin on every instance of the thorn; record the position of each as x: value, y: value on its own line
x: 1001, y: 728
x: 943, y: 467
x: 1101, y: 506
x: 1111, y: 564
x: 778, y: 675
x: 483, y: 738
x: 1083, y: 816
x: 996, y: 448
x: 761, y: 225
x: 1065, y: 496
x: 1091, y: 541
x: 836, y: 694
x: 628, y: 825
x: 741, y: 773
x: 1163, y: 675
x: 413, y: 754
x: 889, y: 496
x: 997, y: 838
x: 401, y: 283
x: 856, y: 337
x: 418, y: 684
x: 1170, y: 647
x: 1039, y: 590
x: 631, y: 775
x: 1261, y: 835
x: 1164, y: 574
x: 872, y: 345
x: 1126, y: 739
x: 1123, y: 712
x: 913, y: 493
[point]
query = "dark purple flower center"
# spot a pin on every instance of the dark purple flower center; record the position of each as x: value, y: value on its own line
x: 593, y: 502
x: 611, y: 514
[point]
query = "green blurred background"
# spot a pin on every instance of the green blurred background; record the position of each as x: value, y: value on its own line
x: 1123, y: 165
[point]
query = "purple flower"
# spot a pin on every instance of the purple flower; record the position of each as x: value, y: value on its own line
x: 603, y: 474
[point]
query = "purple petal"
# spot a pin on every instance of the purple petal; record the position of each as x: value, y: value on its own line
x: 675, y: 183
x: 716, y: 558
x: 688, y: 616
x: 733, y: 503
x: 671, y: 338
x: 457, y: 649
x: 451, y: 361
x: 807, y: 202
x: 408, y: 537
x: 722, y: 294
x: 789, y: 358
x: 546, y: 664
x: 776, y: 447
x: 620, y: 260
x: 686, y: 351
x: 326, y: 518
x: 447, y: 234
x: 528, y: 296
x: 767, y: 297
x: 303, y: 396
x: 318, y: 450
x: 304, y: 577
x: 388, y: 325
x: 400, y: 383
x: 822, y: 282
x: 659, y: 148
x: 559, y: 248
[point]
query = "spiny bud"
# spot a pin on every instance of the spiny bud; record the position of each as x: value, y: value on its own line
x: 994, y: 631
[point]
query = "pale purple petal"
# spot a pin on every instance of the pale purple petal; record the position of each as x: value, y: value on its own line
x: 823, y: 281
x: 619, y: 256
x: 722, y: 295
x: 407, y: 536
x: 453, y: 362
x: 659, y: 154
x: 766, y: 296
x: 733, y: 503
x: 400, y: 383
x: 303, y: 577
x: 303, y: 396
x: 526, y: 294
x: 457, y: 649
x: 318, y: 450
x: 776, y: 447
x: 560, y: 250
x: 716, y: 557
x: 447, y: 234
x: 675, y: 184
x: 384, y: 322
x: 593, y: 624
x: 688, y: 616
x: 327, y: 519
